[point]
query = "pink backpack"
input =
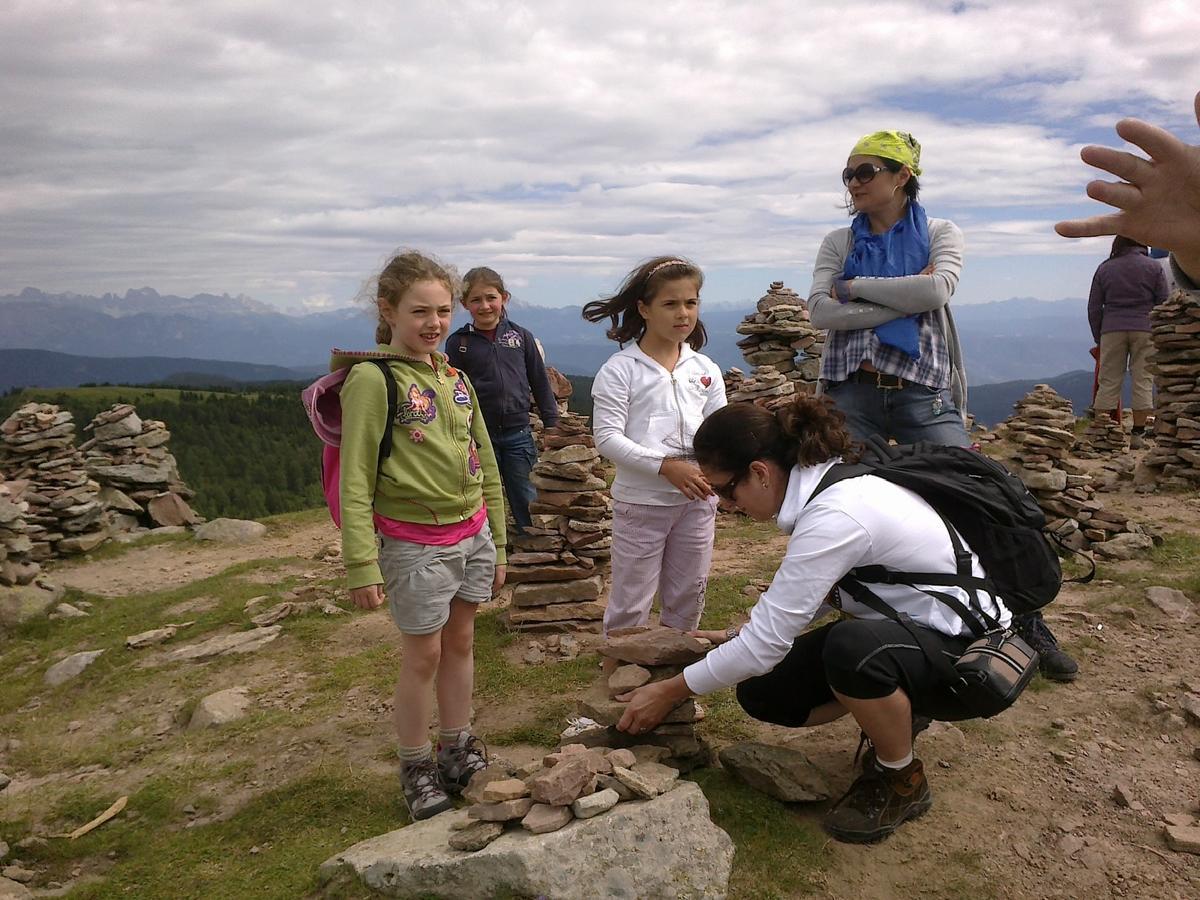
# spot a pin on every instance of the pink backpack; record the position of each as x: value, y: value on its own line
x: 323, y: 403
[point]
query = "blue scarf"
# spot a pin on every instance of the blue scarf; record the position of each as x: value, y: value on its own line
x: 902, y: 250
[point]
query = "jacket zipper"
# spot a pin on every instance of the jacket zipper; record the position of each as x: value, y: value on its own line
x: 678, y: 411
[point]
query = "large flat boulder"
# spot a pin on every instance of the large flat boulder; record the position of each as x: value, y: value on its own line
x: 779, y: 772
x: 20, y: 604
x: 231, y: 531
x: 662, y: 849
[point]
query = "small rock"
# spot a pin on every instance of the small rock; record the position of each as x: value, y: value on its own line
x: 594, y: 804
x: 232, y: 531
x: 480, y: 780
x: 500, y: 812
x: 5, y: 781
x: 641, y: 788
x: 608, y: 783
x: 649, y: 753
x: 506, y: 789
x: 624, y: 758
x: 71, y: 667
x: 220, y: 708
x: 1170, y: 602
x: 1122, y: 796
x: 476, y: 836
x: 1180, y: 839
x: 543, y: 818
x: 1070, y: 844
x: 3, y: 849
x: 627, y: 678
x: 18, y: 874
x: 1191, y: 707
x: 67, y: 611
x: 562, y: 784
x: 1178, y: 819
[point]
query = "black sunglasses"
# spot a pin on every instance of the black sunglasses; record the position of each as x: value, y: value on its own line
x: 864, y: 173
x: 725, y: 491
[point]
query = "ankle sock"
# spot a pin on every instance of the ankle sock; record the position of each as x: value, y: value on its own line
x: 414, y: 754
x: 448, y: 736
x: 898, y: 764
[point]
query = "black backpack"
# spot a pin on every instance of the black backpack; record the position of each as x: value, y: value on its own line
x: 988, y: 505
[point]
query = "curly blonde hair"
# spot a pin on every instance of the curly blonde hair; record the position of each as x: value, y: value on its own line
x: 403, y: 270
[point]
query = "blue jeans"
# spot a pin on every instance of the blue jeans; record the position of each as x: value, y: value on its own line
x: 516, y: 455
x: 908, y: 414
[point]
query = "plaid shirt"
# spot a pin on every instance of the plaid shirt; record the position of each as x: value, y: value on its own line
x: 845, y: 351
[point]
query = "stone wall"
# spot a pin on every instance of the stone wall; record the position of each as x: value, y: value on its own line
x: 1175, y: 325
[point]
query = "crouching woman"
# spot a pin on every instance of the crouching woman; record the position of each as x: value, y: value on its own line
x: 769, y: 464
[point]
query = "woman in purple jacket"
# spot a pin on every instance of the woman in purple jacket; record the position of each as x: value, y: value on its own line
x: 1124, y: 289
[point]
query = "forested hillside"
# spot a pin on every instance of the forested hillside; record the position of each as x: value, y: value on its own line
x: 246, y: 453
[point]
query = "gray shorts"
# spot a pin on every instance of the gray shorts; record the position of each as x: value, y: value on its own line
x: 420, y: 580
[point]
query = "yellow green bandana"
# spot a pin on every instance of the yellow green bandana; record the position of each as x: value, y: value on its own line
x: 898, y: 145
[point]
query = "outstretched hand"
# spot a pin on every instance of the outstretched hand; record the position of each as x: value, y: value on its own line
x: 1158, y: 199
x: 687, y: 477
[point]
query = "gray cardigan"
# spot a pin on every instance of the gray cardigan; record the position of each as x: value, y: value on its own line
x: 879, y: 300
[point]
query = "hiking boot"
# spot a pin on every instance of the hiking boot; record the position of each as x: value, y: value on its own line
x: 460, y: 760
x: 866, y: 749
x: 879, y: 802
x: 1052, y: 661
x: 422, y: 791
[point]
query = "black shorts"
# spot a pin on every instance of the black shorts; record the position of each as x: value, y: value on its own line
x: 861, y: 658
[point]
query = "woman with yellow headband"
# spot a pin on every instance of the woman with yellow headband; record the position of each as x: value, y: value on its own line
x: 882, y: 287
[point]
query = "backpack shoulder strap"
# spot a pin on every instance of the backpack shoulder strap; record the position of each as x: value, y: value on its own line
x: 393, y: 407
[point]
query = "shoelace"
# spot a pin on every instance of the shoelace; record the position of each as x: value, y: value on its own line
x: 426, y: 784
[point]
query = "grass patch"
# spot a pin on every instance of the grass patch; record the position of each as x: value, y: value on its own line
x: 295, y: 827
x: 498, y: 680
x: 542, y: 731
x: 724, y: 602
x: 725, y: 721
x: 779, y: 851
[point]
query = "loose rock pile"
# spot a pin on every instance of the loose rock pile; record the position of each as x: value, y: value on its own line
x: 65, y: 513
x: 16, y: 564
x: 1041, y: 428
x: 1103, y: 437
x: 129, y: 457
x: 782, y: 346
x: 558, y: 564
x: 576, y: 782
x: 646, y: 654
x: 1175, y: 325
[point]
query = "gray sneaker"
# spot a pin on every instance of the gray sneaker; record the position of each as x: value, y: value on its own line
x: 422, y: 790
x: 459, y: 761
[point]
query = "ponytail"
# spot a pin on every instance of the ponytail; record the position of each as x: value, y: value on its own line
x: 805, y: 432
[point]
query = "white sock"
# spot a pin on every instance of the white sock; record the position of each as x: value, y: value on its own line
x: 898, y: 764
x: 414, y: 754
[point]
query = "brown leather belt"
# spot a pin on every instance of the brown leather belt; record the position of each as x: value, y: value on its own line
x: 881, y: 380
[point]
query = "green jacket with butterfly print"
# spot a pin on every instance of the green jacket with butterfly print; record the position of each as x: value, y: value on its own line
x: 441, y: 469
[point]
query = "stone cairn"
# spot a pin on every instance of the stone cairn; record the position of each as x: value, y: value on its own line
x: 65, y: 514
x: 1103, y: 437
x: 563, y: 389
x: 575, y: 782
x: 1041, y: 431
x: 783, y: 348
x: 17, y: 567
x: 140, y: 478
x: 645, y: 654
x: 1175, y: 326
x: 557, y: 566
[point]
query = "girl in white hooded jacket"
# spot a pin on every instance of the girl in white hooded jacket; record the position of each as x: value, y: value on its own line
x: 648, y: 400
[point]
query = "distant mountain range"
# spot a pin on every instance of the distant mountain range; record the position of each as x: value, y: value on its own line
x: 1007, y: 340
x: 144, y: 336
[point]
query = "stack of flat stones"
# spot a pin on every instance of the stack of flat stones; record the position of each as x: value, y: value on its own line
x: 16, y: 565
x: 575, y: 782
x: 645, y: 654
x: 779, y: 335
x: 766, y: 387
x: 558, y: 565
x: 128, y: 456
x: 65, y: 513
x: 1175, y: 327
x: 562, y: 389
x: 1041, y: 431
x: 1103, y: 437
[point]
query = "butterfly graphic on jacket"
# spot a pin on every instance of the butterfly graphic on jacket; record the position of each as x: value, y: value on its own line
x: 421, y: 406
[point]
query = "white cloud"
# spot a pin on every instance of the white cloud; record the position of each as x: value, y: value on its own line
x: 281, y: 149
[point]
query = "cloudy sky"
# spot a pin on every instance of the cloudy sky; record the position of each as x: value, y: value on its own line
x: 282, y: 149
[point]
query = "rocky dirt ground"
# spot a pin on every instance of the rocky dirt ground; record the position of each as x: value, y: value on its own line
x: 1063, y: 796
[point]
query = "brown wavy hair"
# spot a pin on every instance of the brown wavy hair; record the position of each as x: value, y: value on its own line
x: 481, y: 275
x: 644, y: 283
x: 807, y: 431
x: 403, y: 270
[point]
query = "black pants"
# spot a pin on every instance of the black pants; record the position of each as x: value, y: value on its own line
x: 861, y: 658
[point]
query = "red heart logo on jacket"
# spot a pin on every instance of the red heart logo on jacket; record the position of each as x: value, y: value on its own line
x: 706, y: 380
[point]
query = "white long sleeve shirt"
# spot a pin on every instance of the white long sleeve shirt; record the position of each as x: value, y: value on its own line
x: 643, y: 414
x: 857, y: 522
